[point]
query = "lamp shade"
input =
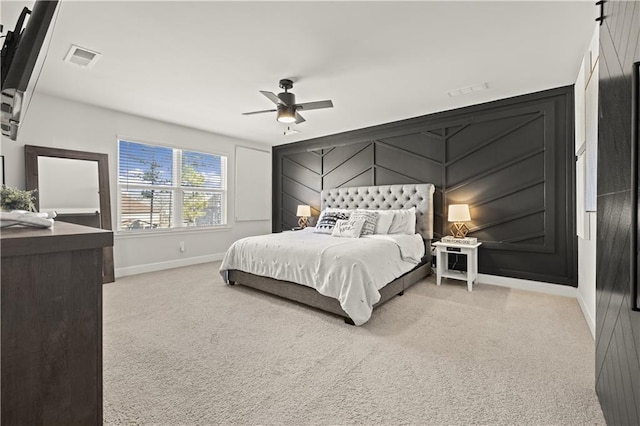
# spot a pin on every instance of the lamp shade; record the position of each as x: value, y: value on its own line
x: 459, y: 213
x: 286, y: 114
x: 303, y: 211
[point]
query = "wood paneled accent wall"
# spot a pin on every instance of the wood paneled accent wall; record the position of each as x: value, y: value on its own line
x: 617, y: 326
x: 511, y: 160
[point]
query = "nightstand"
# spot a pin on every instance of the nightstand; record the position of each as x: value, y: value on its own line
x: 442, y: 260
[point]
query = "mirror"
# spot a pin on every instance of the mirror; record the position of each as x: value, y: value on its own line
x: 76, y: 185
x: 56, y: 175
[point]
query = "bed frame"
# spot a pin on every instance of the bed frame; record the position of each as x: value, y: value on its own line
x: 383, y: 197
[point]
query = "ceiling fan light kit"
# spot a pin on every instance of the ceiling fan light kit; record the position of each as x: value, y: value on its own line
x: 287, y: 109
x: 286, y: 114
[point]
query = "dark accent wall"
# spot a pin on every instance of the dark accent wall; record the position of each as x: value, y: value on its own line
x: 617, y: 327
x: 511, y: 160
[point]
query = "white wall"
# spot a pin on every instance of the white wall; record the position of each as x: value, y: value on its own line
x: 586, y: 144
x: 59, y: 123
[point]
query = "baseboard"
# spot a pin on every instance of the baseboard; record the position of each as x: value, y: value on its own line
x: 160, y: 266
x: 529, y: 285
x: 591, y: 321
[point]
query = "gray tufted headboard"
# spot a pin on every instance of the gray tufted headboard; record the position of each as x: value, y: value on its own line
x: 386, y: 197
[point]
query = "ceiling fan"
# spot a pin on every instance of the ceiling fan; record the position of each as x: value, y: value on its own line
x: 287, y: 109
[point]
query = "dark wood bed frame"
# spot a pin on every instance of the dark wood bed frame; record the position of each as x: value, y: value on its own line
x: 371, y: 197
x: 310, y: 296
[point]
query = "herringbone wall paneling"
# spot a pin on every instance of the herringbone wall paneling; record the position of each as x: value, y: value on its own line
x: 510, y: 160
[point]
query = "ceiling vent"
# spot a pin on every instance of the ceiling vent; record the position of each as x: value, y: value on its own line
x: 82, y: 57
x: 467, y: 90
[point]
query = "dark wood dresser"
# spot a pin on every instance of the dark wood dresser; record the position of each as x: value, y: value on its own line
x: 51, y: 313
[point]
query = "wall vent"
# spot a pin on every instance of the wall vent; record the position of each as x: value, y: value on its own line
x: 82, y: 57
x: 467, y: 90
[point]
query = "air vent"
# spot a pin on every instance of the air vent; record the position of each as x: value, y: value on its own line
x: 467, y: 90
x: 82, y: 57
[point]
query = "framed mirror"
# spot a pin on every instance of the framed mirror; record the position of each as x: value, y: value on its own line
x: 75, y: 184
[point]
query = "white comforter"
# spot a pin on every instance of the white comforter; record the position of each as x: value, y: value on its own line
x: 351, y: 270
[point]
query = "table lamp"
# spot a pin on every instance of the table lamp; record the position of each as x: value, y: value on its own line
x: 459, y: 213
x: 303, y: 213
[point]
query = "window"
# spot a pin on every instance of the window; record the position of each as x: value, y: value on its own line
x: 162, y: 187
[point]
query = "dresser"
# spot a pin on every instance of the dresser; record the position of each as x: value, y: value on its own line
x: 51, y: 324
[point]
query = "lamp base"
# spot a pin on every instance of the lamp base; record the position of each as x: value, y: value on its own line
x: 459, y: 230
x: 303, y: 222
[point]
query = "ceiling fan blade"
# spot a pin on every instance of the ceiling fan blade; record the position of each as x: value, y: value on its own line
x: 259, y: 112
x: 315, y: 105
x: 299, y: 118
x: 272, y: 97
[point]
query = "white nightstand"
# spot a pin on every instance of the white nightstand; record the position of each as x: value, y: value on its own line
x: 442, y: 260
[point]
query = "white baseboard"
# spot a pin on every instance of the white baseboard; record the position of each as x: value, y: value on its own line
x: 529, y: 285
x: 160, y: 266
x: 591, y: 321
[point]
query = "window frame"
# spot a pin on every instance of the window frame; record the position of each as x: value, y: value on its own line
x: 177, y: 190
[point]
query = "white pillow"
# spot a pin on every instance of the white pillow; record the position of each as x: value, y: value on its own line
x: 385, y: 218
x: 337, y: 210
x: 348, y: 228
x: 404, y: 221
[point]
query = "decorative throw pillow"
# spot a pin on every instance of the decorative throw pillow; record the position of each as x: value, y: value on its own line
x: 404, y: 222
x: 327, y: 221
x: 348, y: 228
x: 385, y: 217
x: 370, y: 219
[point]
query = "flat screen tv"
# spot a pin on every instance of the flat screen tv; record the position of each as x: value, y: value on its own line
x: 19, y: 55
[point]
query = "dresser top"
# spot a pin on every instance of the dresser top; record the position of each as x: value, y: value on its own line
x: 62, y: 236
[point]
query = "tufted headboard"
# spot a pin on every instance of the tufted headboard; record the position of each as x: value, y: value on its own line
x: 386, y: 197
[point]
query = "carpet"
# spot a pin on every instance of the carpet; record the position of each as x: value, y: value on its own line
x: 181, y: 347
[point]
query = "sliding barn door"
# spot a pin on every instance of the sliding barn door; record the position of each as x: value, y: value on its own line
x: 617, y: 324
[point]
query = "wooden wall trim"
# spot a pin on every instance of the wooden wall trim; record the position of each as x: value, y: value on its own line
x: 511, y: 160
x: 426, y: 122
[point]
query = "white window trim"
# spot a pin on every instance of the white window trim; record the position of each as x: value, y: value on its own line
x: 178, y: 192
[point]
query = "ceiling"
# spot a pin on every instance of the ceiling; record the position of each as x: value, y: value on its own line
x: 201, y: 64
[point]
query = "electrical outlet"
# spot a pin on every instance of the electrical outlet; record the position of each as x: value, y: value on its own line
x: 181, y: 247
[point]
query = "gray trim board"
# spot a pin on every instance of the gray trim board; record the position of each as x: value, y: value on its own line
x: 511, y: 160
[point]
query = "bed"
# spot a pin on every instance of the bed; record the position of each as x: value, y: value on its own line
x: 274, y: 263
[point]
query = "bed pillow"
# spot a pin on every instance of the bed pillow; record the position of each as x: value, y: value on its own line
x: 337, y: 210
x: 404, y: 221
x: 327, y: 221
x: 385, y: 217
x: 370, y: 220
x: 351, y: 228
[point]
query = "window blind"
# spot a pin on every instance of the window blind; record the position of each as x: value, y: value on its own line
x: 145, y: 164
x: 161, y: 187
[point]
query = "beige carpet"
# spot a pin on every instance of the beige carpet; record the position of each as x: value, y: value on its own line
x: 180, y: 347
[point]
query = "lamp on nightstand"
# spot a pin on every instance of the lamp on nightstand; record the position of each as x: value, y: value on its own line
x: 459, y: 213
x: 303, y: 213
